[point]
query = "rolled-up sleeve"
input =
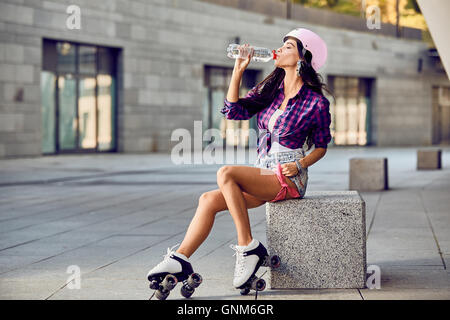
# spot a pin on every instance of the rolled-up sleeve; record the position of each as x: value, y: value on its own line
x: 235, y: 110
x: 322, y: 119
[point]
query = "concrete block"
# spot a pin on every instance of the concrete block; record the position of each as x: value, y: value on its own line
x: 32, y: 93
x: 10, y: 91
x: 123, y: 30
x: 32, y: 123
x: 138, y: 32
x: 2, y: 50
x: 33, y: 55
x: 131, y: 96
x: 103, y: 27
x: 368, y: 174
x: 13, y: 53
x: 321, y: 240
x: 49, y: 19
x: 7, y: 72
x: 16, y: 14
x: 23, y: 149
x: 429, y: 159
x: 130, y: 64
x: 151, y: 97
x: 152, y: 81
x: 19, y: 73
x: 12, y: 123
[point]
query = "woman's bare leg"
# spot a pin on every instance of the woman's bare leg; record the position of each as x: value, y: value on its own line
x: 241, y: 188
x: 235, y: 199
x: 210, y: 203
x: 233, y: 181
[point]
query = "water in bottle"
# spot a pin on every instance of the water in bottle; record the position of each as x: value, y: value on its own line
x: 259, y: 54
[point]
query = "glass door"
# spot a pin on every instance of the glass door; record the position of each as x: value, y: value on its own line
x: 78, y: 89
x: 441, y: 115
x: 106, y: 115
x: 87, y: 114
x: 67, y: 113
x: 233, y: 132
x: 351, y: 113
x: 48, y: 110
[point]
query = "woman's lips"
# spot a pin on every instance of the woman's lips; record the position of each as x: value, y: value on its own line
x: 275, y: 55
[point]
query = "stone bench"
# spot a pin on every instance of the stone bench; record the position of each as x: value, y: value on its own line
x: 429, y: 159
x: 368, y: 174
x: 321, y: 240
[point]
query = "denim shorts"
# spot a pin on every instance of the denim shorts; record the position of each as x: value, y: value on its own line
x: 271, y: 160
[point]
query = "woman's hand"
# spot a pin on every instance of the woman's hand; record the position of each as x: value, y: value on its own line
x: 289, y: 169
x: 241, y: 64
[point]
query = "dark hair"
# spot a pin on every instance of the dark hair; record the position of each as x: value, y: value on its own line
x: 266, y: 89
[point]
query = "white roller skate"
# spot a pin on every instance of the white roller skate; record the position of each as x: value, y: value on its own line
x: 248, y: 260
x: 173, y: 269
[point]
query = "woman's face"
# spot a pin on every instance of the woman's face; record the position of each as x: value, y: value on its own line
x: 287, y: 55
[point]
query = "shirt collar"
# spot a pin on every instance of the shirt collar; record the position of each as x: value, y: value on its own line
x: 299, y: 93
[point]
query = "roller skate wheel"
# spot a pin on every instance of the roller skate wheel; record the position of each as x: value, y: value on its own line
x: 161, y: 295
x: 169, y: 282
x: 275, y: 261
x: 245, y: 291
x: 194, y: 280
x: 154, y: 285
x: 186, y: 291
x: 258, y: 284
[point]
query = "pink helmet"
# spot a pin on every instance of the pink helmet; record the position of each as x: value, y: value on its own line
x: 313, y: 43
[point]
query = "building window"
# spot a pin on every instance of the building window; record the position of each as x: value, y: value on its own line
x: 441, y: 114
x: 79, y: 94
x: 351, y: 114
x: 216, y: 82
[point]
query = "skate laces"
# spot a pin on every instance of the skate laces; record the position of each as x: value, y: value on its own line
x: 168, y: 254
x: 240, y: 267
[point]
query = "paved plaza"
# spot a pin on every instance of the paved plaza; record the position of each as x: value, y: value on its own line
x: 112, y: 217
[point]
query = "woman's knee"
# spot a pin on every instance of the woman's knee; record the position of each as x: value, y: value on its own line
x: 211, y: 200
x: 224, y: 174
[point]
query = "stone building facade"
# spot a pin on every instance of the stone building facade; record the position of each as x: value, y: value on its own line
x: 137, y: 70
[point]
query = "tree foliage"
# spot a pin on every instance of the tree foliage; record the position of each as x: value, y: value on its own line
x: 409, y: 11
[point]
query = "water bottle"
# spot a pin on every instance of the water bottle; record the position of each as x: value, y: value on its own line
x: 259, y: 54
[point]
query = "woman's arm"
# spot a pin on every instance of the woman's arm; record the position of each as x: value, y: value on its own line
x: 313, y: 157
x: 233, y: 109
x: 292, y: 168
x: 235, y: 83
x: 321, y: 133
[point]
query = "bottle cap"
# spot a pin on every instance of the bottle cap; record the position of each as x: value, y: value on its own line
x: 274, y: 54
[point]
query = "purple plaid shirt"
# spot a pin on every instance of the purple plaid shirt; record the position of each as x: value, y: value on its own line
x: 306, y: 111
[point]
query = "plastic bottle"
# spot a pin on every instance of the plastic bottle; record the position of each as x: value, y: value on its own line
x: 259, y: 55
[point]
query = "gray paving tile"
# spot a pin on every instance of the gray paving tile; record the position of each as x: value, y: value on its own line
x: 114, y: 216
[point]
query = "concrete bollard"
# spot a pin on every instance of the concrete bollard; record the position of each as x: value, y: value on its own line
x: 321, y: 240
x: 368, y: 174
x: 429, y: 159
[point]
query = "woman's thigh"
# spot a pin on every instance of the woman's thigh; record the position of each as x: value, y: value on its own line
x: 259, y: 182
x: 215, y: 198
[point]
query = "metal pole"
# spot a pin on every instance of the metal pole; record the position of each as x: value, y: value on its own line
x: 288, y: 9
x: 363, y: 9
x: 397, y: 8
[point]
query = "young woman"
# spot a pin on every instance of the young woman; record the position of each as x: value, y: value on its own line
x: 292, y: 112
